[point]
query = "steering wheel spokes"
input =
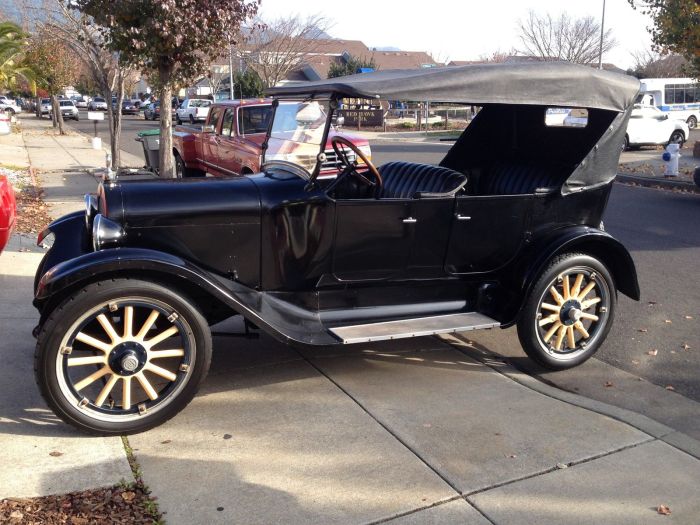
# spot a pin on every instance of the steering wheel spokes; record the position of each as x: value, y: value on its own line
x: 351, y: 165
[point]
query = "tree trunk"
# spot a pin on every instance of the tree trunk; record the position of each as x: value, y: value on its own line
x: 56, y: 115
x: 165, y: 155
x: 115, y: 136
x: 107, y: 94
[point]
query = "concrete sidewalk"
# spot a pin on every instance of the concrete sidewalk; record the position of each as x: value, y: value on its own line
x: 409, y: 432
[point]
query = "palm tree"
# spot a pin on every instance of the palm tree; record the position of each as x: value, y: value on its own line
x: 12, y: 43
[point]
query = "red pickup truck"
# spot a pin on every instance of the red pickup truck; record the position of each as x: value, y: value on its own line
x: 229, y: 142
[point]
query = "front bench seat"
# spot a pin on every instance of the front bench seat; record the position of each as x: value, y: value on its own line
x: 408, y: 180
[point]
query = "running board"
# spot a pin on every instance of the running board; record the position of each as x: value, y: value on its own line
x: 441, y: 324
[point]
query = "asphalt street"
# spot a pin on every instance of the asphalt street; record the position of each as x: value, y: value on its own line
x: 658, y: 338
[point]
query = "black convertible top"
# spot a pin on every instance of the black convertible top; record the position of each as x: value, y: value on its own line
x: 539, y: 83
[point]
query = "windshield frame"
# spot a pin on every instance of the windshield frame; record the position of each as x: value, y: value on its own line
x: 332, y: 106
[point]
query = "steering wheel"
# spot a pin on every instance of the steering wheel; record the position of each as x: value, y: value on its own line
x: 337, y: 142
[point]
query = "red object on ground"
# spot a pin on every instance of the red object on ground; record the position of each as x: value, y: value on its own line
x: 7, y: 210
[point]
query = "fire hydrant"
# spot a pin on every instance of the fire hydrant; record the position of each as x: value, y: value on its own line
x: 670, y: 157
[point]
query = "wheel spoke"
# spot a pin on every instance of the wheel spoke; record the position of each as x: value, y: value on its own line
x: 106, y: 390
x: 161, y: 337
x: 147, y: 325
x: 126, y: 393
x: 146, y: 385
x: 91, y: 378
x: 560, y: 337
x: 590, y: 317
x: 95, y: 343
x: 581, y: 329
x: 586, y: 290
x: 576, y: 289
x: 552, y: 307
x: 162, y: 372
x: 128, y: 322
x: 159, y: 354
x: 570, y: 339
x: 108, y: 328
x: 566, y: 288
x: 551, y: 331
x: 90, y: 360
x: 585, y: 305
x: 556, y: 295
x: 547, y: 320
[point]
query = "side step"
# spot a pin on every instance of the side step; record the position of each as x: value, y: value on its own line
x: 440, y: 324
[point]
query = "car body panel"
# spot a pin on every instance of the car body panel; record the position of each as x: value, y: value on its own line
x: 648, y: 125
x: 7, y: 211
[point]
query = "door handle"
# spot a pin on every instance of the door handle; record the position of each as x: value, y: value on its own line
x: 409, y: 220
x: 460, y: 217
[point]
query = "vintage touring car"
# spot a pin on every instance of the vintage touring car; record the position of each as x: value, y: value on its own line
x: 505, y: 230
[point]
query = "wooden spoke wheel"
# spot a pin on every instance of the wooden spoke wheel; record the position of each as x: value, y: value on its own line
x: 122, y: 356
x: 569, y: 312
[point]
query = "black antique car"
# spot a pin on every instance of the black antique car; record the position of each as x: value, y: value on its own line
x: 505, y: 230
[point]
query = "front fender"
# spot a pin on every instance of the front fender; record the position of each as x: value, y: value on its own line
x: 577, y: 239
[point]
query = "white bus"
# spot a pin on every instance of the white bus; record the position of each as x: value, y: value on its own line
x: 678, y: 97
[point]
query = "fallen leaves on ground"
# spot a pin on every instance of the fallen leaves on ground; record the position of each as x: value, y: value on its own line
x: 32, y: 211
x: 670, y: 387
x: 663, y: 509
x: 653, y: 352
x: 642, y: 330
x: 116, y: 505
x: 55, y: 453
x: 668, y: 321
x: 609, y: 384
x: 685, y: 346
x: 688, y: 316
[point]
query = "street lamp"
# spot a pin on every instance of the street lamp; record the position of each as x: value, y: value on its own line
x: 602, y: 32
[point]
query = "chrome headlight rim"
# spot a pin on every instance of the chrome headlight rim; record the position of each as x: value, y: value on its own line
x: 91, y: 209
x: 105, y: 232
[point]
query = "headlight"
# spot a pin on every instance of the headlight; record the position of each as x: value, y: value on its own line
x: 105, y: 232
x: 90, y: 209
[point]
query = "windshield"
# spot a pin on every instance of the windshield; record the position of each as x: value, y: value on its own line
x: 297, y: 133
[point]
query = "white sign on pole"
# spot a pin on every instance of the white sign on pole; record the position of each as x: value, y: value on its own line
x: 96, y: 115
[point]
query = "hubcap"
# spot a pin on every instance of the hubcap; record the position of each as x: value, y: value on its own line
x: 140, y: 352
x: 572, y: 312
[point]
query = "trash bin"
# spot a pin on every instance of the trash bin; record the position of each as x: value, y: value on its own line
x: 150, y: 140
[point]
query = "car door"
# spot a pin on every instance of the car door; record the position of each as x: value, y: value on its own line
x: 211, y: 140
x: 487, y: 232
x: 227, y: 154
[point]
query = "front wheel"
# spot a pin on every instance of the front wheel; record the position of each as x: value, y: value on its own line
x: 191, y: 119
x: 692, y: 122
x: 569, y: 312
x: 122, y: 356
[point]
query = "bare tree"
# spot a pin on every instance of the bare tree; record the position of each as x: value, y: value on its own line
x: 105, y: 68
x: 575, y: 40
x: 649, y: 64
x: 216, y: 76
x: 497, y: 56
x: 274, y: 48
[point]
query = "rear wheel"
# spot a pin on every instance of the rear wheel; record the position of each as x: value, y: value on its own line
x: 569, y: 312
x: 692, y: 122
x: 177, y: 119
x: 626, y: 144
x: 122, y: 356
x: 182, y: 171
x: 191, y: 119
x: 677, y: 137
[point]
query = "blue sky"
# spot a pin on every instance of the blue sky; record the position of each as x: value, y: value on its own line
x: 461, y: 29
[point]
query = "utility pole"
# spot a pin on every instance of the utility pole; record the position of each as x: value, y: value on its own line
x: 230, y: 70
x: 602, y: 32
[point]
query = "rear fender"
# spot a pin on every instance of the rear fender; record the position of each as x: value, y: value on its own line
x: 578, y: 239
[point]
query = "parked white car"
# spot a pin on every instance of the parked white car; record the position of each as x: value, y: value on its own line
x: 193, y: 109
x: 9, y: 106
x: 45, y: 106
x: 97, y: 103
x: 649, y: 125
x: 69, y: 110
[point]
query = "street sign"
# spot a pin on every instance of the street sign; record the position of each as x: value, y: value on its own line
x: 96, y: 115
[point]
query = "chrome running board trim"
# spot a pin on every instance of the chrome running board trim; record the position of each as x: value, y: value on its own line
x: 441, y: 324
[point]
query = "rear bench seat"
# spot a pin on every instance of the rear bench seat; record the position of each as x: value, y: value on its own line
x: 506, y: 177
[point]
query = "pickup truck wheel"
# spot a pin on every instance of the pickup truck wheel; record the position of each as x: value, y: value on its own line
x: 191, y: 119
x: 569, y: 312
x: 122, y: 356
x: 182, y: 171
x: 177, y: 119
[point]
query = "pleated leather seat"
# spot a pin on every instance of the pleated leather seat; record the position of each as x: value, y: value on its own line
x: 515, y: 178
x: 403, y: 180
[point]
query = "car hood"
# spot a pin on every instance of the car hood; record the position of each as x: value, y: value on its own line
x: 180, y: 202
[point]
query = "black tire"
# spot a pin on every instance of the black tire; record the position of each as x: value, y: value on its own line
x: 77, y: 118
x: 61, y: 339
x: 692, y: 122
x: 191, y: 119
x: 10, y: 111
x: 177, y: 119
x: 626, y: 144
x: 696, y: 176
x: 537, y: 331
x: 182, y: 171
x: 677, y: 137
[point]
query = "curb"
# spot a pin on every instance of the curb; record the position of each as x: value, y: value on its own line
x: 641, y: 422
x: 657, y: 183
